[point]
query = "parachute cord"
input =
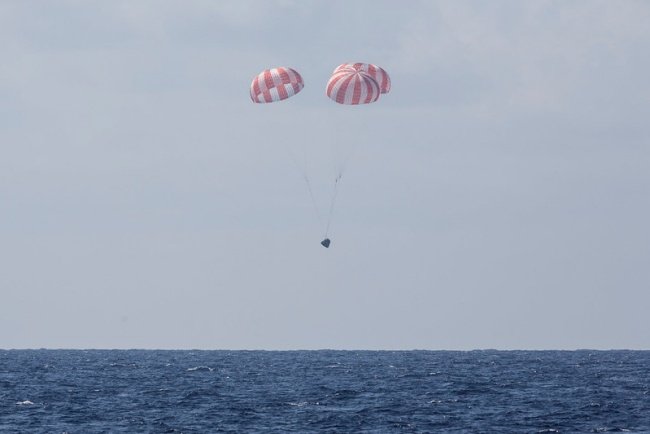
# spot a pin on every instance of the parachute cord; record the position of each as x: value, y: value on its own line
x: 332, y: 203
x: 303, y: 172
x: 342, y: 168
x: 313, y: 199
x: 335, y: 191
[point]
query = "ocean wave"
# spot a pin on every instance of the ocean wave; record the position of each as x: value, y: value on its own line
x: 299, y: 392
x: 200, y: 368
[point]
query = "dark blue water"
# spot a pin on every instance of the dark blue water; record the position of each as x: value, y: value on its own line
x: 324, y: 391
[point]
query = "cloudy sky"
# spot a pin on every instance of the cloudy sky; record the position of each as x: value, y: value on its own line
x: 498, y: 197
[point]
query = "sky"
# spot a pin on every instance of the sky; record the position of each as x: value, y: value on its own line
x: 497, y: 197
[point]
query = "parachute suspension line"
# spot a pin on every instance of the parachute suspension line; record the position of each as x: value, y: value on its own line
x: 313, y: 199
x: 305, y: 176
x: 332, y: 202
x: 340, y: 169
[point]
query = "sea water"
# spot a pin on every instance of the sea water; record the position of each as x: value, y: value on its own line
x: 75, y: 391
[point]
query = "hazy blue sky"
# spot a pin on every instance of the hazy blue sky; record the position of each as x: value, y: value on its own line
x: 499, y: 196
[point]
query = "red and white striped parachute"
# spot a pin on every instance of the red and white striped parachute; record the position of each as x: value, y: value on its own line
x: 380, y: 76
x: 350, y: 86
x: 276, y: 84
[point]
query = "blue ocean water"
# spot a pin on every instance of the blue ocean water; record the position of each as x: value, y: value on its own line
x: 76, y: 391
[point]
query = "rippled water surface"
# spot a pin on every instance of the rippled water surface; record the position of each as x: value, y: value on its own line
x: 324, y: 391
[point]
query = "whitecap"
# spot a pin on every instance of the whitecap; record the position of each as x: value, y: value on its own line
x: 298, y: 404
x: 26, y: 402
x: 201, y: 368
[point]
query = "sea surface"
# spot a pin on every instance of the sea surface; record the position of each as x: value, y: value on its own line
x: 95, y: 391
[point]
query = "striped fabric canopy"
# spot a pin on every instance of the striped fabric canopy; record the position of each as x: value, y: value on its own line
x: 276, y: 84
x: 350, y: 86
x: 380, y: 76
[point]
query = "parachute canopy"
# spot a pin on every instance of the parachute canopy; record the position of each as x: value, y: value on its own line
x: 276, y: 84
x: 380, y: 76
x: 349, y: 86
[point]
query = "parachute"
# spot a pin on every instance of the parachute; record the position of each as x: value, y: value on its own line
x: 350, y: 84
x: 376, y: 72
x: 352, y: 87
x: 276, y: 84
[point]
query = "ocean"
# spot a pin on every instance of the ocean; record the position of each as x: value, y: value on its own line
x: 143, y: 391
